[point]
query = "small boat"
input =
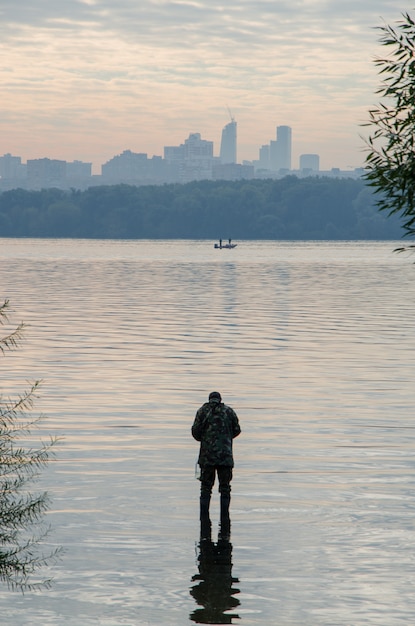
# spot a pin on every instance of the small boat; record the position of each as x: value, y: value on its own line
x: 228, y: 245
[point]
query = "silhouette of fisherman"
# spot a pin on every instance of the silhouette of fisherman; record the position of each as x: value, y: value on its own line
x: 215, y: 426
x: 214, y: 591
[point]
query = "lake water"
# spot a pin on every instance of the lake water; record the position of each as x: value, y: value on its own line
x: 313, y: 345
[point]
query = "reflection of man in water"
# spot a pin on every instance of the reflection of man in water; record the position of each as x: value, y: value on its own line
x: 215, y: 426
x: 214, y: 591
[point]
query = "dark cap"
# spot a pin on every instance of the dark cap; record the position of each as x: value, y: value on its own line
x: 215, y: 397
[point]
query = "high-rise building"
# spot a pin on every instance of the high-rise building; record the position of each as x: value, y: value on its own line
x: 280, y: 150
x: 135, y: 168
x: 12, y: 172
x: 46, y: 173
x: 10, y: 166
x: 78, y: 170
x: 264, y: 157
x: 228, y: 143
x: 197, y: 149
x: 125, y: 167
x: 192, y: 160
x: 78, y: 174
x: 309, y: 162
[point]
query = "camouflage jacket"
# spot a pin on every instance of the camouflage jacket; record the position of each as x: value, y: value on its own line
x: 215, y: 426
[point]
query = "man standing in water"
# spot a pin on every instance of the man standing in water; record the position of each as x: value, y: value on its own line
x: 215, y: 426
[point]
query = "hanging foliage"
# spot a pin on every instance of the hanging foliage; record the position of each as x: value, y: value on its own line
x: 22, y: 530
x: 390, y: 161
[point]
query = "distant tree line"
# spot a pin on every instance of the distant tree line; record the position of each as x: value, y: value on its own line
x: 287, y: 208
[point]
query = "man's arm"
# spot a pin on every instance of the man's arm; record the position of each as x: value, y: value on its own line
x: 236, y: 429
x: 197, y: 428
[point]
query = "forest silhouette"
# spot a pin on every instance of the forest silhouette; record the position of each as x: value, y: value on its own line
x: 291, y: 208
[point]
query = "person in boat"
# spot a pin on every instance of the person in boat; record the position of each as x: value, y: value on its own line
x: 215, y: 426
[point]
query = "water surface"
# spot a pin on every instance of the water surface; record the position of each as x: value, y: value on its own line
x: 311, y: 343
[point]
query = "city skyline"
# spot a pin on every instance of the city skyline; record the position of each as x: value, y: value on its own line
x: 279, y: 150
x: 194, y: 159
x: 90, y: 78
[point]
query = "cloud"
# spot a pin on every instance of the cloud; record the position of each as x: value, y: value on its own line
x: 152, y: 71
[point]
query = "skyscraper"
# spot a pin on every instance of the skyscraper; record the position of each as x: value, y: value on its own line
x: 280, y: 150
x: 228, y: 143
x: 264, y: 157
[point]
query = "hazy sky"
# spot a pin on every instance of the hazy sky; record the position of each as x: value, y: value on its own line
x: 87, y: 79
